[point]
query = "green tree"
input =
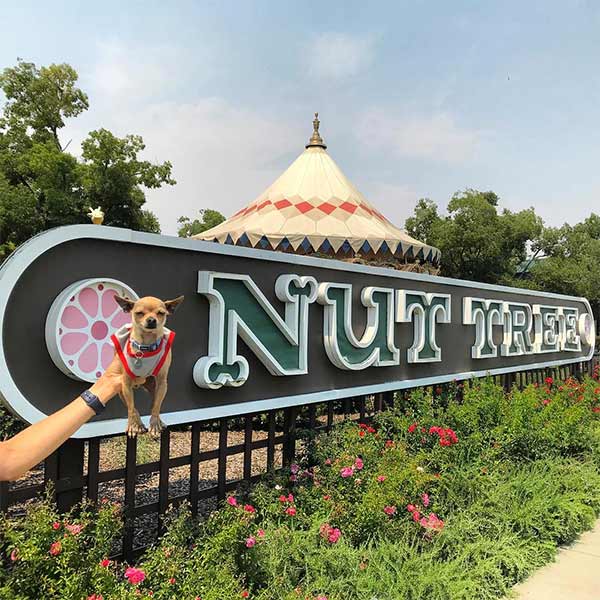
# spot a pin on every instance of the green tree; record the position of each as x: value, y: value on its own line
x: 569, y: 264
x: 208, y: 218
x: 113, y: 176
x: 42, y: 185
x: 476, y: 240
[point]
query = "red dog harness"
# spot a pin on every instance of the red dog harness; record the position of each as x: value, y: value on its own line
x: 137, y: 363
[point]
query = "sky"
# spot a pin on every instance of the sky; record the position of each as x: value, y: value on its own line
x: 416, y: 98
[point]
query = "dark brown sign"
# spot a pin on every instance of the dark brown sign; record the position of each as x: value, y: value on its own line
x: 258, y: 329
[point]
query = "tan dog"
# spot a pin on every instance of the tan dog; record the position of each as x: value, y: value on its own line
x: 144, y: 351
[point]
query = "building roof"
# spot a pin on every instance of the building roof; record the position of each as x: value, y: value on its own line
x: 313, y: 206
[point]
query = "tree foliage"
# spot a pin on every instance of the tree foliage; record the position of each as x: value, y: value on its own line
x: 41, y: 184
x: 477, y: 241
x: 571, y: 255
x: 208, y: 218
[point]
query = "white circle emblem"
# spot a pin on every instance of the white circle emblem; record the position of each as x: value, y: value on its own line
x: 586, y: 329
x: 79, y: 325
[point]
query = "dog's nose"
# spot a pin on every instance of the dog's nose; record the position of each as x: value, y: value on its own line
x: 150, y: 323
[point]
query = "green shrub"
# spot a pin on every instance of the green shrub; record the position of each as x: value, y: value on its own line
x: 441, y: 499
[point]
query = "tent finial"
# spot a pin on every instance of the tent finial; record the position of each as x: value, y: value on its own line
x: 316, y: 141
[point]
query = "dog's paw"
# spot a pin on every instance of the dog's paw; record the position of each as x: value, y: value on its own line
x: 135, y: 426
x: 156, y: 427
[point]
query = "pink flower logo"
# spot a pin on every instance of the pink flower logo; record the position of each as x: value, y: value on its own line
x: 80, y: 323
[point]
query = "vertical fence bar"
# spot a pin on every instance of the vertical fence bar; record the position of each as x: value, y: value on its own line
x: 93, y: 469
x: 312, y: 416
x: 388, y: 399
x: 3, y: 496
x: 222, y: 460
x: 194, y: 467
x: 289, y: 445
x: 271, y: 441
x: 130, y: 481
x: 70, y: 467
x: 329, y: 415
x: 163, y: 476
x: 247, y: 447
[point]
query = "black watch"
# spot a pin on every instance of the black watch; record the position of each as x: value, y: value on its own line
x: 92, y: 401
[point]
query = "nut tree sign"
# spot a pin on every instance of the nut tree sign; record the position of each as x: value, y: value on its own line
x: 259, y: 329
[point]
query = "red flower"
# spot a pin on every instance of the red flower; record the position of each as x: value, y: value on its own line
x: 245, y: 594
x: 389, y: 510
x: 172, y: 580
x: 412, y: 427
x: 549, y: 381
x: 291, y: 511
x: 105, y: 563
x: 249, y: 508
x: 361, y: 433
x: 55, y: 525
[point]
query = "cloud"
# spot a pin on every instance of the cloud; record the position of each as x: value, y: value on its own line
x: 127, y: 71
x: 339, y: 56
x: 435, y: 137
x: 396, y: 202
x: 223, y: 155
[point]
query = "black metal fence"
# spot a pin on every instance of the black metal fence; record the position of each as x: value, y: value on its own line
x: 201, y: 471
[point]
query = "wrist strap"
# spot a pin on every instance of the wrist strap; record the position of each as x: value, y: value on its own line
x: 92, y: 401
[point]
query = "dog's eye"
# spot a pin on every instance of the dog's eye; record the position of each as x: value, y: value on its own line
x: 139, y: 313
x: 161, y: 313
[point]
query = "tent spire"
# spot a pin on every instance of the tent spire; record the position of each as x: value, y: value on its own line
x: 316, y: 141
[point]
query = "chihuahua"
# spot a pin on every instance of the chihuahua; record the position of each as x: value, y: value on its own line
x: 144, y: 351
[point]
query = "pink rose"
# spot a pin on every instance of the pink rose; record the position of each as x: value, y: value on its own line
x: 134, y: 575
x: 381, y: 478
x: 231, y: 501
x: 260, y: 533
x: 425, y: 499
x: 389, y: 510
x: 334, y: 535
x: 358, y: 463
x: 249, y: 508
x: 291, y: 511
x: 74, y: 529
x: 250, y: 542
x: 347, y: 472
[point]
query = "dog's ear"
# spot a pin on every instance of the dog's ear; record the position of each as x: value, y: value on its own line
x: 125, y: 303
x: 173, y: 304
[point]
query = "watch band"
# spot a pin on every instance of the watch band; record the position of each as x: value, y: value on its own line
x: 92, y: 401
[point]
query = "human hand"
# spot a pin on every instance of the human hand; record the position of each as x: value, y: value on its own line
x: 109, y: 383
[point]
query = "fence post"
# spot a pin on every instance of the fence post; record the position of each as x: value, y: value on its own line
x: 69, y: 468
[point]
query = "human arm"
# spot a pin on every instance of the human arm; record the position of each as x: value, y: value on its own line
x: 38, y: 441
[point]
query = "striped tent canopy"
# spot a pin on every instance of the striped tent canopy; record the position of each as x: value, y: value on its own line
x: 314, y: 208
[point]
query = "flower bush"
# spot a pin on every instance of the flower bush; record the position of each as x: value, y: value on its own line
x: 439, y: 498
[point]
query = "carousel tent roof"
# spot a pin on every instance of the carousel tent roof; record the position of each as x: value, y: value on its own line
x: 314, y: 204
